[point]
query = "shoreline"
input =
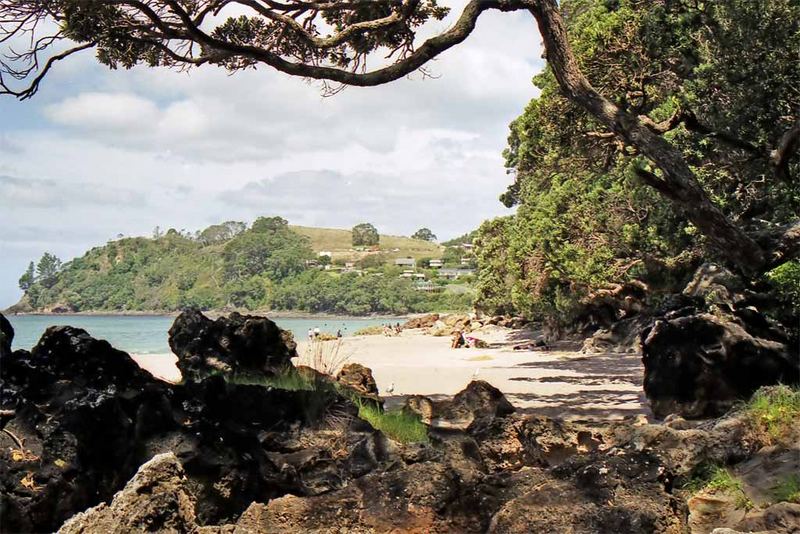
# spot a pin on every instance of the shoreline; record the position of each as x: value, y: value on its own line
x: 282, y: 314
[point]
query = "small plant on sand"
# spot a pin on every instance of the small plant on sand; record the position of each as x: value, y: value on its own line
x: 775, y: 410
x: 327, y: 357
x: 788, y: 489
x: 718, y: 479
x: 399, y: 425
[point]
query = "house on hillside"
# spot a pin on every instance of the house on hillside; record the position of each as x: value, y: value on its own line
x: 322, y: 253
x: 426, y: 286
x: 408, y: 273
x: 407, y: 263
x: 455, y: 274
x: 436, y: 264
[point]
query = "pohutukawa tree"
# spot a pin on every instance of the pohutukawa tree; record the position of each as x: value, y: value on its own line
x: 331, y: 41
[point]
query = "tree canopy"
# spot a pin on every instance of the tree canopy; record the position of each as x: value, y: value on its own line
x: 719, y: 83
x: 365, y: 234
x: 332, y: 40
x: 424, y: 234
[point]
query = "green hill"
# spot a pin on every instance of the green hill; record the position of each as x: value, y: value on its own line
x: 269, y: 265
x: 339, y: 243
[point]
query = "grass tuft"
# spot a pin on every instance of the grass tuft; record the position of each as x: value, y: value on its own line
x: 788, y: 489
x: 718, y: 479
x: 399, y: 425
x: 775, y: 409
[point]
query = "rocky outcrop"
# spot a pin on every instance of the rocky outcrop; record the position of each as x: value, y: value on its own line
x: 711, y: 347
x: 233, y: 345
x: 360, y: 381
x: 471, y: 410
x: 426, y: 321
x: 622, y: 336
x: 157, y: 499
x: 700, y: 365
x: 84, y: 417
x: 6, y: 336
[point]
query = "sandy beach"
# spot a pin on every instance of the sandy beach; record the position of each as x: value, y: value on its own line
x: 562, y: 383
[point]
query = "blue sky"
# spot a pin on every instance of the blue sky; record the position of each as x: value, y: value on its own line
x: 99, y: 153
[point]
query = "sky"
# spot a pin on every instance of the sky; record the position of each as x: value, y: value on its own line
x: 97, y: 153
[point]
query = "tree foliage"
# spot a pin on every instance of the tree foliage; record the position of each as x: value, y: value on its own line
x: 424, y: 234
x: 264, y: 267
x: 718, y: 78
x: 28, y: 277
x: 365, y: 234
x: 47, y: 269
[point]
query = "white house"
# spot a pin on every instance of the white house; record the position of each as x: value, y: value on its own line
x: 409, y: 263
x: 436, y: 264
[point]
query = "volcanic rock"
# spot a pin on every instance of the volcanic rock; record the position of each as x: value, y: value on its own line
x: 233, y: 345
x: 359, y: 379
x: 700, y: 365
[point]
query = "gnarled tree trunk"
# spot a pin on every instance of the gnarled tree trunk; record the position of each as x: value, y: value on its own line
x: 677, y: 182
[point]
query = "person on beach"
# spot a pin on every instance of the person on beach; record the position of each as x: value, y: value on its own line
x: 458, y: 340
x: 316, y: 332
x: 310, y: 334
x: 339, y: 334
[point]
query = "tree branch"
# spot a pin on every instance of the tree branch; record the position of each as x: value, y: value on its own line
x: 787, y: 147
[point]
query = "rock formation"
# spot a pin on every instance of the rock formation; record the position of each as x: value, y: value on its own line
x: 360, y: 381
x: 713, y: 349
x: 97, y: 445
x: 236, y: 344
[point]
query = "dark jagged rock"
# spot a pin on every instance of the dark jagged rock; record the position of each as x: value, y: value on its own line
x: 470, y: 410
x: 6, y: 336
x: 700, y: 365
x: 359, y: 379
x: 236, y: 344
x: 85, y: 417
x: 714, y: 348
x: 622, y: 336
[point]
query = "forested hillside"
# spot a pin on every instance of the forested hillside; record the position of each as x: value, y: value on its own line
x: 267, y: 266
x: 719, y: 80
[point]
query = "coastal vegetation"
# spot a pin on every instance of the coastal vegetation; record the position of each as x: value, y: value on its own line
x: 269, y: 265
x: 718, y: 83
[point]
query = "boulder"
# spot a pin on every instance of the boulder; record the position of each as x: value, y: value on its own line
x: 236, y: 344
x: 700, y: 365
x: 358, y: 378
x: 426, y: 321
x: 592, y: 493
x: 622, y: 336
x: 781, y: 517
x: 157, y: 499
x: 84, y: 417
x: 471, y: 410
x: 6, y: 336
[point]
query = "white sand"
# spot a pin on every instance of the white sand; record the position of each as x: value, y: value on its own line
x: 161, y: 366
x: 556, y: 383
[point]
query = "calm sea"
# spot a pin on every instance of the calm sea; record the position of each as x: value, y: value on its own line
x: 148, y: 334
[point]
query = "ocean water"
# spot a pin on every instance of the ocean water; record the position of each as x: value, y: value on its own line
x: 147, y: 334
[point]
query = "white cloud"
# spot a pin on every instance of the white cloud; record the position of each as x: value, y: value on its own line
x: 124, y: 151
